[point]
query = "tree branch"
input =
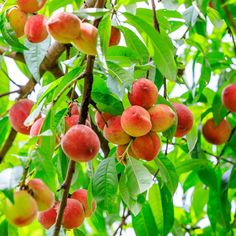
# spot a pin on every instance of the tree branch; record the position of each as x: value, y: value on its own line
x: 49, y: 63
x: 88, y: 83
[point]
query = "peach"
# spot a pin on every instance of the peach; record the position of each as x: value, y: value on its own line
x: 64, y: 27
x: 185, y: 120
x: 87, y: 39
x: 36, y: 127
x: 115, y: 36
x: 143, y: 93
x: 35, y: 29
x: 114, y: 133
x: 136, y: 121
x: 43, y: 196
x: 48, y: 218
x: 146, y: 147
x: 23, y: 211
x: 80, y: 143
x: 216, y: 134
x: 30, y: 6
x: 99, y: 119
x: 73, y: 120
x: 229, y: 97
x: 17, y: 20
x: 18, y: 114
x: 81, y: 196
x: 162, y: 117
x: 73, y: 109
x: 120, y: 153
x: 73, y: 215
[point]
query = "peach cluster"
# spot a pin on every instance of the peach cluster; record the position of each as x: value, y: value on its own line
x: 219, y: 133
x: 135, y: 131
x: 36, y: 197
x: 77, y: 208
x: 66, y: 27
x: 24, y: 22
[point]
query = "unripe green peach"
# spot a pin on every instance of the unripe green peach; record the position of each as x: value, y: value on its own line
x: 64, y: 27
x: 162, y: 117
x: 30, y: 6
x: 87, y: 39
x: 43, y: 196
x: 229, y: 97
x: 23, y: 211
x: 136, y: 121
x: 18, y: 114
x: 185, y: 120
x: 216, y: 134
x: 146, y: 147
x: 81, y: 196
x: 36, y: 127
x: 143, y: 93
x: 48, y: 218
x: 115, y: 36
x: 99, y: 119
x: 17, y: 20
x: 35, y: 29
x: 73, y: 215
x: 80, y: 143
x: 114, y: 133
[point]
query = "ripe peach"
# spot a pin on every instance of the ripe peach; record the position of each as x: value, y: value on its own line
x: 120, y: 153
x: 185, y: 119
x: 18, y: 114
x: 17, y: 20
x: 48, y: 218
x: 216, y: 134
x: 229, y: 97
x: 162, y: 117
x: 143, y: 93
x: 64, y: 27
x: 115, y: 36
x: 114, y: 133
x: 73, y: 120
x: 81, y: 196
x: 35, y: 29
x: 135, y: 121
x: 80, y: 143
x: 73, y: 215
x: 36, y: 127
x: 99, y: 119
x: 30, y: 6
x: 23, y: 211
x: 43, y: 196
x: 146, y: 147
x: 74, y: 109
x: 87, y: 39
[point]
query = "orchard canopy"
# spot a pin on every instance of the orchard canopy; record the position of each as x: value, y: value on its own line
x: 117, y: 117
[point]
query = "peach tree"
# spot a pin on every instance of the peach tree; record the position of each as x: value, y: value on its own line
x: 117, y: 117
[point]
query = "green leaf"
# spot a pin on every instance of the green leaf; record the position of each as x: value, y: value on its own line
x: 118, y: 79
x: 10, y: 177
x: 131, y: 201
x: 190, y: 15
x: 168, y: 172
x: 35, y: 55
x: 159, y: 46
x: 4, y: 128
x: 105, y: 183
x: 140, y: 180
x: 133, y: 42
x: 144, y: 223
x: 218, y: 109
x: 78, y: 232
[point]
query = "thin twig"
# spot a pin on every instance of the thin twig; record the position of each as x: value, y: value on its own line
x: 123, y: 222
x: 10, y: 92
x: 154, y: 15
